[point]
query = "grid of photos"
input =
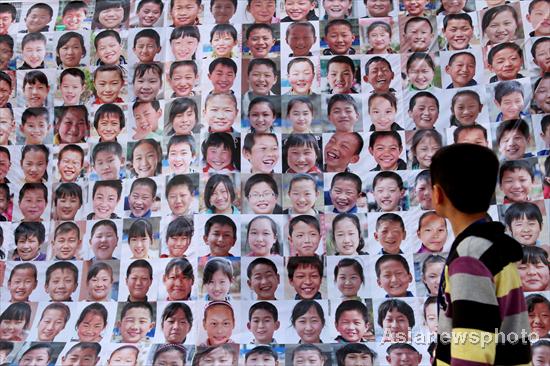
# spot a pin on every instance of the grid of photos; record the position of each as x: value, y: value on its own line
x: 245, y: 182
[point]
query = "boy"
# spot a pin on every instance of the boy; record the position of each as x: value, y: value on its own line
x: 390, y: 233
x: 35, y: 89
x: 127, y: 354
x: 458, y: 30
x: 6, y: 52
x: 259, y: 39
x: 70, y: 161
x: 22, y: 282
x: 220, y: 111
x: 341, y: 75
x: 82, y: 353
x: 103, y: 240
x: 516, y: 179
x: 513, y: 139
x: 74, y: 14
x: 424, y: 110
x: 305, y: 275
x: 105, y: 198
x: 109, y: 122
x: 539, y: 52
x: 52, y: 321
x: 223, y: 38
x: 510, y: 101
x: 351, y: 321
x: 67, y: 201
x: 461, y: 69
x: 5, y: 164
x: 136, y: 321
x: 139, y: 278
x: 185, y: 12
x: 72, y: 86
x: 5, y: 349
x: 108, y: 46
x: 107, y: 161
x: 147, y: 82
x: 263, y: 321
x: 223, y: 10
x: 474, y: 134
x: 301, y: 76
x: 108, y: 83
x: 183, y: 77
x: 6, y: 205
x: 343, y: 113
x: 181, y: 152
x: 146, y: 117
x: 66, y: 242
x: 262, y: 152
x: 393, y: 275
x: 355, y: 354
x: 478, y: 244
x: 222, y: 73
x: 180, y: 195
x: 261, y: 355
x: 29, y: 237
x: 544, y: 134
x: 184, y: 41
x: 339, y: 38
x: 308, y: 354
x: 262, y: 77
x: 33, y: 199
x: 300, y: 37
x: 538, y: 17
x: 386, y: 147
x: 524, y: 222
x: 341, y: 150
x: 33, y: 51
x: 388, y: 191
x: 7, y: 126
x: 147, y: 45
x: 345, y: 189
x: 6, y: 89
x: 302, y: 193
x: 505, y: 60
x: 379, y: 74
x: 540, y: 351
x: 304, y: 235
x: 178, y: 279
x: 61, y: 281
x: 220, y: 235
x: 403, y: 353
x: 8, y: 14
x: 263, y: 278
x: 142, y: 194
x: 149, y: 12
x: 418, y: 35
x: 432, y: 232
x: 38, y: 17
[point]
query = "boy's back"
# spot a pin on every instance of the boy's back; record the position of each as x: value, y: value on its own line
x: 481, y: 304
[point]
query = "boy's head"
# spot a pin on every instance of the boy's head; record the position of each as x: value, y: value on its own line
x: 147, y: 81
x: 305, y: 275
x: 343, y: 112
x: 538, y: 17
x: 147, y: 45
x: 390, y: 232
x: 223, y: 37
x: 452, y: 189
x: 300, y: 75
x: 149, y: 12
x: 524, y: 221
x: 108, y: 82
x: 72, y: 85
x: 35, y: 88
x: 74, y: 14
x: 179, y: 194
x: 126, y: 354
x: 378, y: 73
x: 393, y: 275
x: 185, y: 12
x: 82, y: 353
x: 352, y: 320
x: 66, y: 242
x: 345, y: 189
x: 22, y: 281
x: 259, y: 39
x: 385, y: 147
x: 263, y: 278
x: 461, y: 68
x: 505, y: 60
x: 399, y: 353
x: 105, y: 198
x: 509, y: 99
x: 142, y: 196
x: 184, y: 41
x: 52, y: 321
x: 262, y: 75
x: 396, y: 318
x: 261, y: 355
x: 220, y: 234
x: 263, y: 321
x: 109, y: 121
x: 516, y: 180
x: 340, y: 74
x: 474, y: 134
x: 540, y: 52
x: 33, y: 199
x: 513, y: 138
x: 300, y: 37
x: 6, y: 49
x: 61, y: 280
x: 136, y: 320
x: 6, y: 84
x: 67, y: 200
x: 355, y: 354
x: 540, y: 351
x: 223, y: 10
x: 8, y: 15
x: 388, y: 190
x: 108, y: 46
x: 183, y: 77
x: 38, y: 16
x: 342, y: 149
x: 107, y: 159
x: 182, y: 151
x: 304, y: 235
x: 308, y: 354
x: 418, y: 34
x: 5, y: 349
x: 221, y: 109
x: 339, y: 36
x: 262, y: 151
x: 222, y: 73
x: 424, y: 110
x: 544, y: 127
x: 139, y: 277
x: 458, y: 30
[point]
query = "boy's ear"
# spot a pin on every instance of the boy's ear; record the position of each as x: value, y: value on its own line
x: 204, y: 237
x: 375, y: 235
x: 277, y: 324
x: 354, y: 159
x: 366, y: 79
x: 448, y: 69
x: 378, y: 282
x: 248, y: 325
x: 151, y: 326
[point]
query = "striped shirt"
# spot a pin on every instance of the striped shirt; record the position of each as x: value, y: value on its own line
x: 480, y: 298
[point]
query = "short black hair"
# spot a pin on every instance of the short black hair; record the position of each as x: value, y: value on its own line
x: 361, y: 348
x: 148, y: 33
x: 293, y: 263
x: 452, y: 168
x: 501, y: 46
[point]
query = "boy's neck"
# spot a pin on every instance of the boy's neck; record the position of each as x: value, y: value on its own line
x: 460, y: 220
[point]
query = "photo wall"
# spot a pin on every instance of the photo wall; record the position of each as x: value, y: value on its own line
x: 233, y: 182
